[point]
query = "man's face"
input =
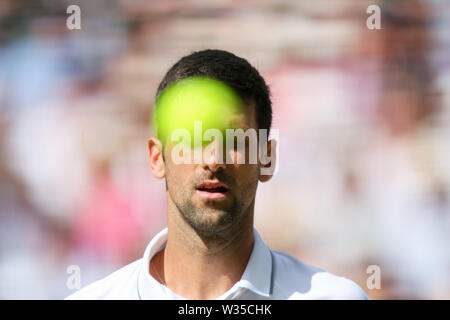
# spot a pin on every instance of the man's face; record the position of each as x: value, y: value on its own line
x: 213, y: 196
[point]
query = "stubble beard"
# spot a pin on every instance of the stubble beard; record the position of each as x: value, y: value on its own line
x: 208, y: 220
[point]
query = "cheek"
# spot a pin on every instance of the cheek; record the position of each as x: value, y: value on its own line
x: 248, y: 156
x: 247, y: 178
x: 245, y: 162
x: 178, y: 176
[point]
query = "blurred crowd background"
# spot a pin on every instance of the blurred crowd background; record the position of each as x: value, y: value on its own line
x: 363, y: 118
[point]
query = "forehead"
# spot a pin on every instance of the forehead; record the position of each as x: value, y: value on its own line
x: 207, y: 100
x: 244, y: 119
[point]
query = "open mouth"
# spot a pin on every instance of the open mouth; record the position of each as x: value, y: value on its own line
x: 212, y: 190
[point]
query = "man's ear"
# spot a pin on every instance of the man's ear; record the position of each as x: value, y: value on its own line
x: 155, y: 152
x: 268, y: 161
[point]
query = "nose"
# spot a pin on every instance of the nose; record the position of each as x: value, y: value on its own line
x: 213, y: 158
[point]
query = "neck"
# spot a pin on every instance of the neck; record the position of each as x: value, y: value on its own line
x: 203, y: 267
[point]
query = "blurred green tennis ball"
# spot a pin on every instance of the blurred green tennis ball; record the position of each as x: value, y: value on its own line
x: 195, y: 99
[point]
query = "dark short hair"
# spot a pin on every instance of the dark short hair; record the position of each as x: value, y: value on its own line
x: 234, y: 71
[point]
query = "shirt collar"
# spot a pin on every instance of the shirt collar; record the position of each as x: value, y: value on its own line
x: 257, y: 275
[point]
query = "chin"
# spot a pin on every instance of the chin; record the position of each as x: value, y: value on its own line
x: 212, y: 222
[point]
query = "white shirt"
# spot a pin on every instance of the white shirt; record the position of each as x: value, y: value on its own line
x: 270, y: 274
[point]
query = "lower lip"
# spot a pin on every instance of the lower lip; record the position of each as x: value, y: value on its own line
x: 212, y: 195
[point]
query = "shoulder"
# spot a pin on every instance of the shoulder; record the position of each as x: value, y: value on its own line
x: 294, y: 279
x: 121, y: 284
